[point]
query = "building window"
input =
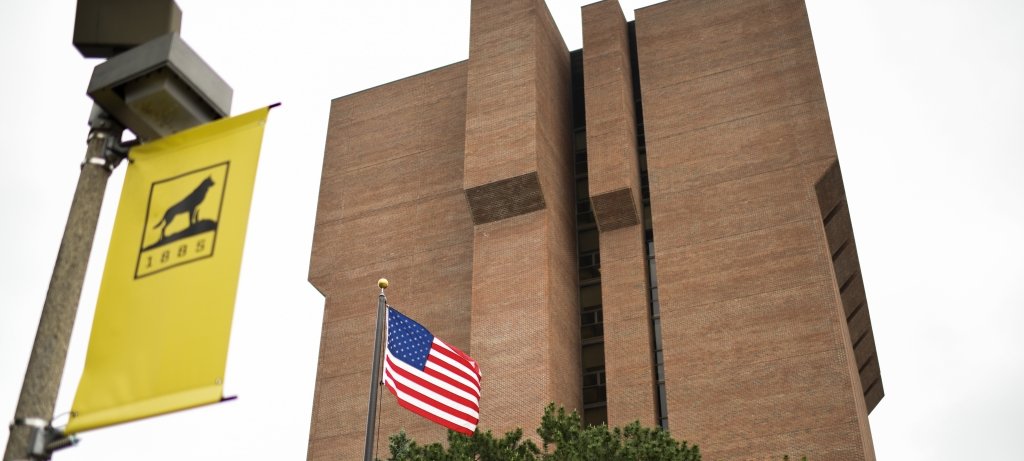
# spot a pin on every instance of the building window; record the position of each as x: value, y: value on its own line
x: 595, y: 399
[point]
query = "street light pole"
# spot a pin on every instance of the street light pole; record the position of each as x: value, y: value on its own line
x: 30, y: 437
x: 152, y: 84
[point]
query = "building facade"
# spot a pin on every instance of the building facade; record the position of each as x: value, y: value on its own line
x: 651, y: 228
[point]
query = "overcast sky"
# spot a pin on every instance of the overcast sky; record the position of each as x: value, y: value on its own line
x: 927, y: 107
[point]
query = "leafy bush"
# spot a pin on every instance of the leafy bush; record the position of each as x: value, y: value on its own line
x: 564, y: 439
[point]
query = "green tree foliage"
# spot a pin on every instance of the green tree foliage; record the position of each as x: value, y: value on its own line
x: 564, y: 439
x: 479, y: 446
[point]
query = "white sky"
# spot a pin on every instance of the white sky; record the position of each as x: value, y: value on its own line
x: 927, y: 107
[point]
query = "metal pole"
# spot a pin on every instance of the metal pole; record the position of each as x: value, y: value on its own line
x: 371, y: 415
x: 46, y: 364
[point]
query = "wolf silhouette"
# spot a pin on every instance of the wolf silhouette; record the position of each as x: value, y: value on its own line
x: 188, y: 205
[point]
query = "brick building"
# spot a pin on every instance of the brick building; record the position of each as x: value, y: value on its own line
x: 653, y: 228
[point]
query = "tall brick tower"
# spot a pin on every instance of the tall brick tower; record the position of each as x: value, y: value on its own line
x: 653, y: 228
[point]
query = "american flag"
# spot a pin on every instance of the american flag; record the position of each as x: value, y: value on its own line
x: 431, y: 377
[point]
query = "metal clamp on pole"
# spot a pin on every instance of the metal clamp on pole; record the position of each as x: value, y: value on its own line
x: 105, y: 128
x: 44, y: 438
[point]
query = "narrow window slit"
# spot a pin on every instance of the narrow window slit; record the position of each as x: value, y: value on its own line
x: 872, y: 385
x: 847, y: 283
x: 866, y: 363
x: 860, y: 339
x: 835, y: 210
x: 855, y: 310
x: 839, y: 250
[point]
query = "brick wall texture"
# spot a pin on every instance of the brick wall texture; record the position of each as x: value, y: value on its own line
x: 614, y: 186
x: 391, y: 205
x: 525, y: 315
x: 758, y: 356
x: 457, y: 185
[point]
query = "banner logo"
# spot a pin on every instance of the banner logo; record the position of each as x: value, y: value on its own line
x: 181, y: 219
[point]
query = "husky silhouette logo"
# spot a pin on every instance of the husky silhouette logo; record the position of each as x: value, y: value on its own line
x: 189, y: 205
x: 181, y: 219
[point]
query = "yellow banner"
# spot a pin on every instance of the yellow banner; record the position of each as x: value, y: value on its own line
x: 160, y: 336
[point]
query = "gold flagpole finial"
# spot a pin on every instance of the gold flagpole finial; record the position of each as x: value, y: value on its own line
x: 382, y: 283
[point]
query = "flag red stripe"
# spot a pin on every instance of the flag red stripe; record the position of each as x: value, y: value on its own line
x: 442, y: 377
x: 473, y: 365
x: 452, y: 382
x: 453, y: 370
x: 471, y: 377
x: 431, y: 386
x: 456, y: 355
x: 431, y: 402
x: 441, y: 407
x: 426, y: 414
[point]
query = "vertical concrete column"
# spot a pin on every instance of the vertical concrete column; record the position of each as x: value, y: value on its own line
x: 614, y: 177
x: 518, y: 182
x: 391, y: 204
x: 758, y: 361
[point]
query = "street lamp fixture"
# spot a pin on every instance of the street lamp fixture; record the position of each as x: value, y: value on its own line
x: 104, y: 28
x: 152, y: 84
x: 159, y: 88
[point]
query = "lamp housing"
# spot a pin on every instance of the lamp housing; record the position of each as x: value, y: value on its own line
x: 159, y: 88
x: 104, y: 28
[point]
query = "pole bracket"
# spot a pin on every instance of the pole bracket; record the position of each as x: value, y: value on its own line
x: 113, y: 152
x: 44, y: 439
x: 102, y: 126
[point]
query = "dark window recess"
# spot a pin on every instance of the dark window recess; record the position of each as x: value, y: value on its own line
x: 591, y: 324
x: 590, y: 275
x: 590, y: 296
x: 595, y: 400
x: 593, y: 378
x: 582, y: 206
x: 592, y: 357
x: 595, y: 415
x: 579, y: 140
x: 588, y: 240
x: 582, y: 191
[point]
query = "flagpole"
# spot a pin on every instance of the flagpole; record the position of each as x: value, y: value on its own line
x: 375, y: 375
